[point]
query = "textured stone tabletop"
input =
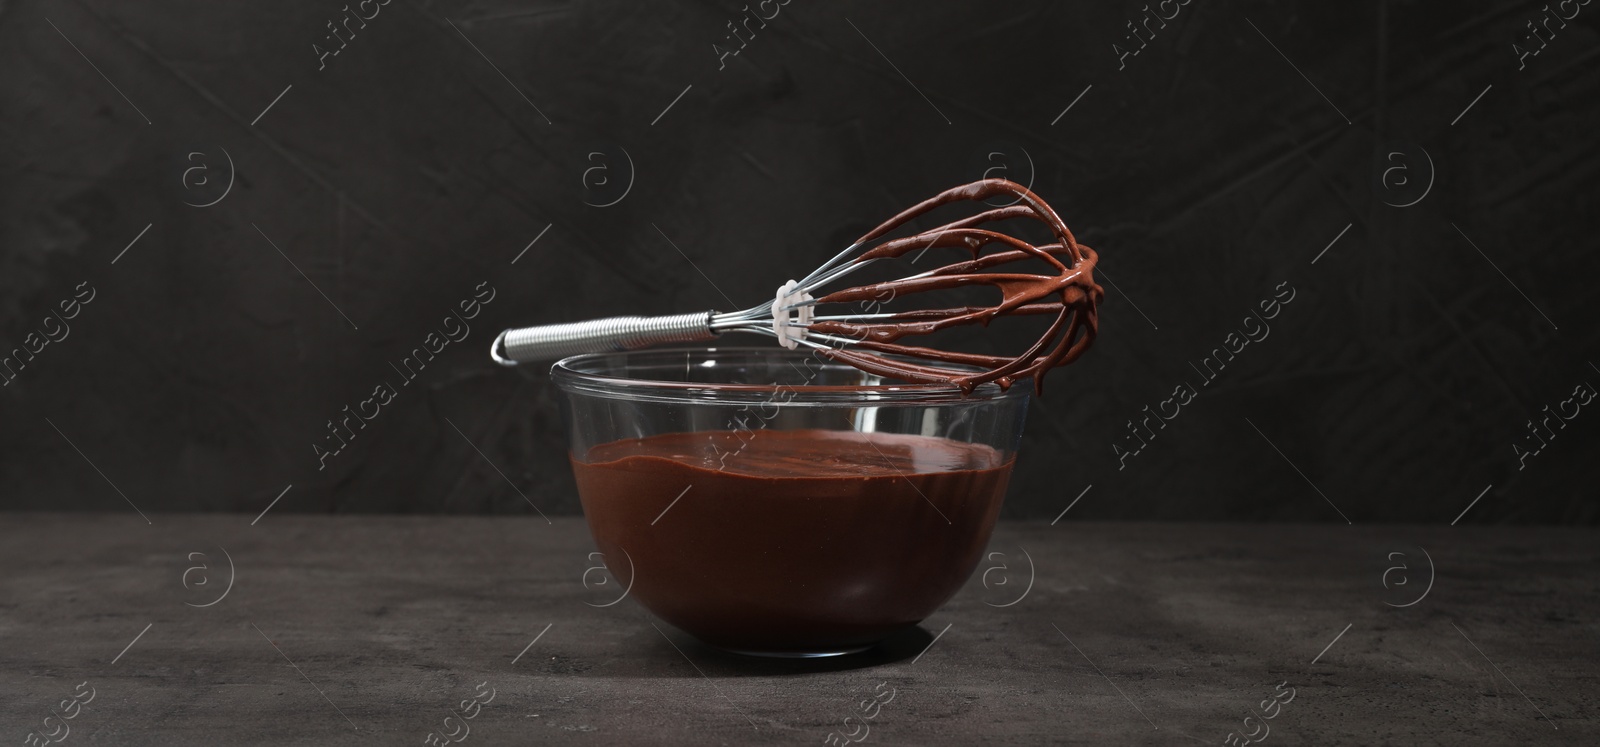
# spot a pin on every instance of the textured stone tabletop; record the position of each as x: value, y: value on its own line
x: 400, y: 630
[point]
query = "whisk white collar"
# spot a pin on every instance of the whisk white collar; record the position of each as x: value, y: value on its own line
x: 791, y: 334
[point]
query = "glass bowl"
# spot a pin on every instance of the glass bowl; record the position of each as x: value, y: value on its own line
x: 771, y: 502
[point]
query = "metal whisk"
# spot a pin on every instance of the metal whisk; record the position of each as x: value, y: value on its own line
x: 867, y: 336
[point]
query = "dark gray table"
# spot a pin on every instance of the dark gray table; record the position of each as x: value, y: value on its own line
x: 373, y: 630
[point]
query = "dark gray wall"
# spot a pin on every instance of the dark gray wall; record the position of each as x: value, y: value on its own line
x: 407, y: 171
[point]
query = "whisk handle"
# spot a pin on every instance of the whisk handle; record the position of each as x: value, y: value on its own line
x: 553, y: 341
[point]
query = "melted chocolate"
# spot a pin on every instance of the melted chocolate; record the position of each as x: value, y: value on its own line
x: 791, y: 541
x: 1071, y: 294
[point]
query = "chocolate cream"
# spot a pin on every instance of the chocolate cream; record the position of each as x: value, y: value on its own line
x: 791, y: 541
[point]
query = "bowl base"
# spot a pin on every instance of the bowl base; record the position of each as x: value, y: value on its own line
x: 799, y: 654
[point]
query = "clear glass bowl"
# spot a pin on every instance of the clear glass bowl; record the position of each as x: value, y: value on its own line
x: 771, y: 502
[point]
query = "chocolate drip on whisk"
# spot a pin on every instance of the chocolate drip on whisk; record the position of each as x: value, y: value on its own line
x: 1070, y: 294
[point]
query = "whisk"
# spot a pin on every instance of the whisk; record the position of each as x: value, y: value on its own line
x: 868, y: 337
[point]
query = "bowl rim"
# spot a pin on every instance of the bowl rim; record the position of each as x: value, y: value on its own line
x: 569, y: 374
